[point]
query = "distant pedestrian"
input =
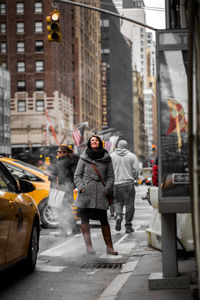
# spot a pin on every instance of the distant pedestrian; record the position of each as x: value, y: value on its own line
x: 91, y: 201
x: 126, y: 168
x: 61, y: 177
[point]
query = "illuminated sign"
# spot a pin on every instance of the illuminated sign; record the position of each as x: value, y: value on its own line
x: 104, y: 93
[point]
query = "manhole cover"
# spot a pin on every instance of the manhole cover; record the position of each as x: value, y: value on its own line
x: 102, y: 265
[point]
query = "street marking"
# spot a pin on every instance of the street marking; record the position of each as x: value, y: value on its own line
x: 49, y: 268
x: 122, y: 238
x: 112, y: 290
x: 68, y: 247
x: 57, y: 250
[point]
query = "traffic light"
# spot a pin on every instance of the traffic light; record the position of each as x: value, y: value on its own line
x: 153, y: 147
x: 53, y: 26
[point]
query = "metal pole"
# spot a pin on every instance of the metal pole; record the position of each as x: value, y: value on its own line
x: 169, y: 246
x: 104, y: 11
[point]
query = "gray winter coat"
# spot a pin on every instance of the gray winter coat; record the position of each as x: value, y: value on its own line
x: 86, y: 178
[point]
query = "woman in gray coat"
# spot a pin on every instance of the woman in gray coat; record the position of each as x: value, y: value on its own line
x: 92, y: 202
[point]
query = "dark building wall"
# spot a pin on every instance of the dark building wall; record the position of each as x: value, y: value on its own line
x: 119, y: 78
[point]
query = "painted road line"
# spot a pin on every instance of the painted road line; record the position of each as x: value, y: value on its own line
x: 49, y: 268
x: 112, y: 290
x: 59, y: 249
x: 68, y: 247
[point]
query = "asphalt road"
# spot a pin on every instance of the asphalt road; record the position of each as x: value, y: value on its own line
x: 65, y: 271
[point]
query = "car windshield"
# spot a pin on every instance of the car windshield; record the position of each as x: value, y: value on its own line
x: 22, y: 163
x: 146, y: 172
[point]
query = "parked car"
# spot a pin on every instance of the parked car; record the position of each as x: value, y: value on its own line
x: 145, y: 176
x: 23, y: 170
x: 19, y: 222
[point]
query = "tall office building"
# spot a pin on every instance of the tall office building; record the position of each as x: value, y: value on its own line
x: 134, y: 9
x: 53, y: 85
x: 41, y: 73
x: 86, y: 64
x: 117, y: 91
x: 5, y: 148
x: 140, y: 133
x: 151, y: 87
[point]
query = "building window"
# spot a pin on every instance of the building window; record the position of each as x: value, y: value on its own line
x: 39, y: 85
x: 72, y: 48
x: 72, y: 14
x: 20, y: 27
x: 105, y: 51
x: 21, y: 66
x: 3, y: 47
x: 73, y: 83
x: 39, y: 46
x: 73, y: 66
x: 4, y: 65
x: 2, y: 8
x: 21, y: 85
x: 20, y: 47
x: 39, y: 105
x: 38, y: 26
x: 38, y: 7
x: 20, y: 8
x: 21, y: 105
x: 39, y: 66
x: 73, y: 32
x: 104, y: 23
x: 3, y: 28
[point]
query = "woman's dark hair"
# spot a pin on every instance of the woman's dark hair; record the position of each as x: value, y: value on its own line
x: 98, y: 138
x: 65, y: 148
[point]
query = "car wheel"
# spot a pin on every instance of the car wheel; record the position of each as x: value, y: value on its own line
x: 48, y: 215
x: 30, y: 261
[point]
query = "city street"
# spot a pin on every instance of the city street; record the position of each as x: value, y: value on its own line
x: 65, y: 271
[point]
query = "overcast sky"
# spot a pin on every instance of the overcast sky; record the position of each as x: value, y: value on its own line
x: 155, y: 18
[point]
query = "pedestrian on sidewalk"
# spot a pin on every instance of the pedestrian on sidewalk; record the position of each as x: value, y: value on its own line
x: 126, y: 168
x: 91, y: 201
x: 61, y: 177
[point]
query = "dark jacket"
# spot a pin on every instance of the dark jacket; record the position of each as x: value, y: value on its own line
x: 63, y: 172
x: 86, y: 178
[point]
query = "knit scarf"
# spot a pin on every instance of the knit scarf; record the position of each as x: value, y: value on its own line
x: 95, y: 154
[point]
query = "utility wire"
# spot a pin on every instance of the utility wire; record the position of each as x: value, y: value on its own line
x: 107, y: 12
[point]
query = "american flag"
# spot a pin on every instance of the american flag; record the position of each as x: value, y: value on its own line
x: 77, y: 136
x: 107, y: 145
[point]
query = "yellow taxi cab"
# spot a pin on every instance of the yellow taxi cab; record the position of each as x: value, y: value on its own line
x: 23, y: 170
x: 19, y: 222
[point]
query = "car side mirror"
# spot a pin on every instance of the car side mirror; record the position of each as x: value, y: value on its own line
x: 26, y: 186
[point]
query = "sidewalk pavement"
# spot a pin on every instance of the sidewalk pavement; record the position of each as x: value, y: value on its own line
x: 149, y: 261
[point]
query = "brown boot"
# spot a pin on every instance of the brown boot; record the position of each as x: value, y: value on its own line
x: 85, y: 229
x: 108, y: 240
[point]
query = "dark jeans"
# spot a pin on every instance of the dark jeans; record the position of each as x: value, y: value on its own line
x: 124, y: 195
